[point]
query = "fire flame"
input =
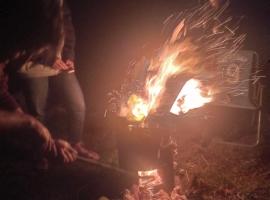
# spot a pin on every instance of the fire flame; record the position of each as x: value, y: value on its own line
x: 138, y: 108
x: 196, y: 44
x: 191, y: 96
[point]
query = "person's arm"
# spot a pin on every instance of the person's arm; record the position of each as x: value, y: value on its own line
x: 7, y: 102
x: 65, y: 61
x: 23, y: 132
x: 27, y: 135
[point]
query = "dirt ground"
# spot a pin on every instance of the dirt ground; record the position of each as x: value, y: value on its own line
x: 224, y: 172
x: 207, y: 169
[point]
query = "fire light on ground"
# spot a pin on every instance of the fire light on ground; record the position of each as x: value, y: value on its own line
x: 149, y: 181
x: 191, y: 96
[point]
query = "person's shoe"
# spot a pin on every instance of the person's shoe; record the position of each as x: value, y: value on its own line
x: 82, y: 151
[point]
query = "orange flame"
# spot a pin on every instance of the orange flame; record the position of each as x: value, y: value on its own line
x: 190, y: 97
x: 194, y: 47
x: 138, y: 108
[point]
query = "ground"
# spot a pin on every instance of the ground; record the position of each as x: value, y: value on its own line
x: 210, y: 170
x: 223, y: 172
x: 207, y: 170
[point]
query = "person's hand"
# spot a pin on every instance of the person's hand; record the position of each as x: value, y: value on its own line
x: 60, y: 65
x: 65, y: 152
x: 46, y: 141
x: 54, y: 149
x: 70, y: 64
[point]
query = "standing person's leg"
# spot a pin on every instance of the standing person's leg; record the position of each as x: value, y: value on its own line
x: 69, y: 90
x: 70, y: 94
x: 36, y: 92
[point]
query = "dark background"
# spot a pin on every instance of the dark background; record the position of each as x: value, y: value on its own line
x: 110, y: 34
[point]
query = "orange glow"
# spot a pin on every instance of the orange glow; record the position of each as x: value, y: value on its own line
x: 155, y: 86
x: 190, y: 97
x: 194, y: 48
x: 149, y: 178
x: 138, y: 108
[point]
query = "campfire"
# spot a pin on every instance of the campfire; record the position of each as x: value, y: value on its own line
x: 197, y: 43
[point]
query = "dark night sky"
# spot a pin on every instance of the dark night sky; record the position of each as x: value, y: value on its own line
x: 112, y: 33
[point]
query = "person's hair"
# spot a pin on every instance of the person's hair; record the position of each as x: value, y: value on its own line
x: 27, y: 26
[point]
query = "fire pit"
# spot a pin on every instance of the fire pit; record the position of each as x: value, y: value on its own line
x: 141, y: 148
x: 203, y: 57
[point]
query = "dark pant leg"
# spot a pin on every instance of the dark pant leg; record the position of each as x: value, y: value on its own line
x: 36, y: 91
x: 69, y: 91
